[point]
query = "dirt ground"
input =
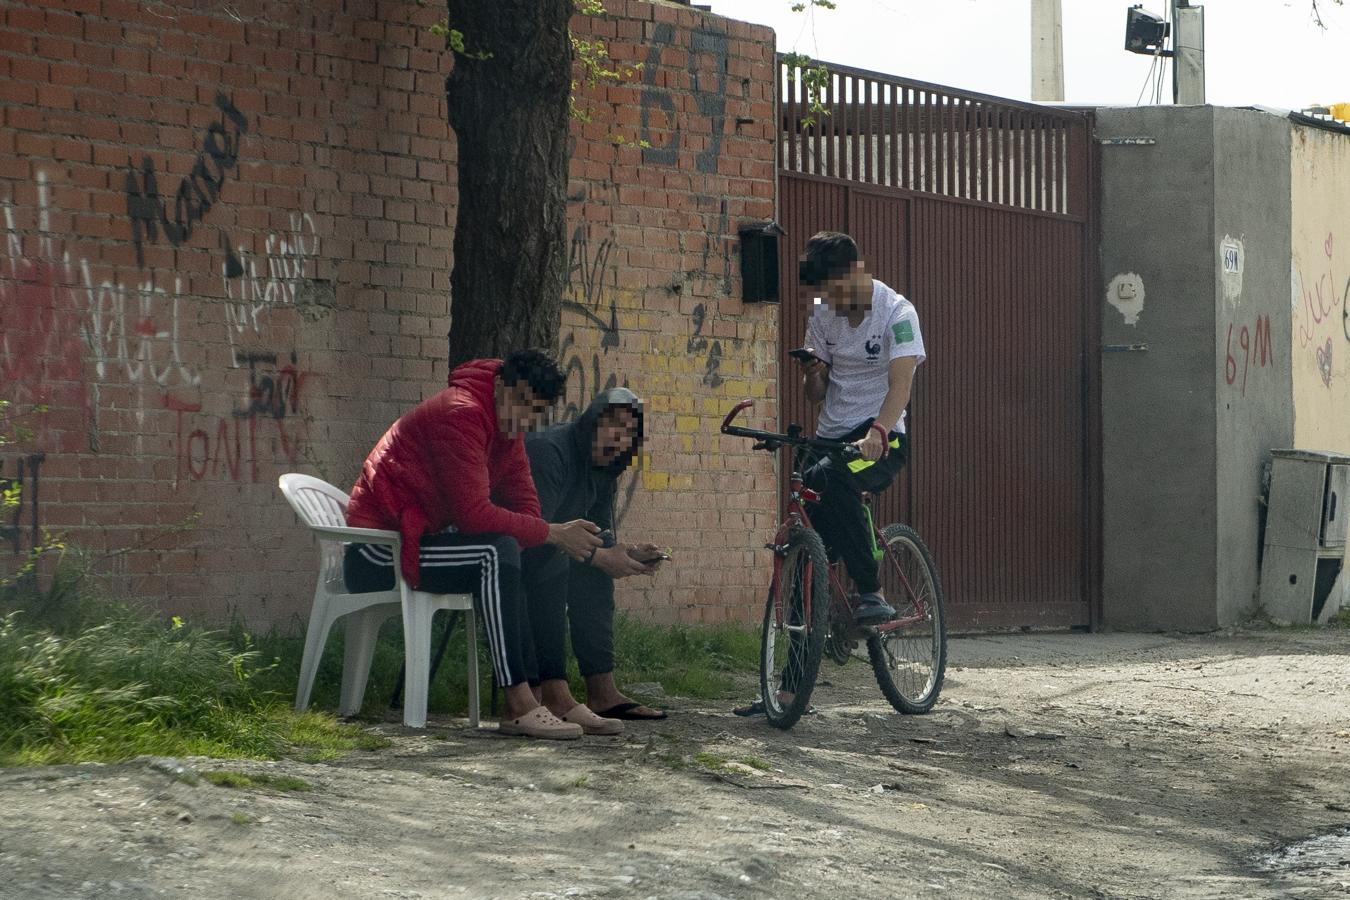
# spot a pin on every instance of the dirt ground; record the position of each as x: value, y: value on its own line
x: 1054, y: 766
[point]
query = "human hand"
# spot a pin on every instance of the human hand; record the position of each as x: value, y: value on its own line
x: 619, y: 562
x: 576, y: 538
x: 814, y: 367
x: 872, y: 447
x: 648, y: 554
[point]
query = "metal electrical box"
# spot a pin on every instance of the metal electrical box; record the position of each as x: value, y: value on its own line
x: 1304, y: 548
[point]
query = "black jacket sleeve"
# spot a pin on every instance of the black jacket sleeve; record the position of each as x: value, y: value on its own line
x: 547, y: 467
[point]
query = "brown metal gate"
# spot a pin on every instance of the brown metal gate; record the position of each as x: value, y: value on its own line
x: 980, y: 211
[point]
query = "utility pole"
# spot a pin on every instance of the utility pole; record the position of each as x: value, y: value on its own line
x: 1047, y: 50
x: 1188, y: 48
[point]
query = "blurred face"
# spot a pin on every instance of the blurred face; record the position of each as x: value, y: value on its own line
x: 614, y: 433
x: 518, y: 409
x: 849, y: 290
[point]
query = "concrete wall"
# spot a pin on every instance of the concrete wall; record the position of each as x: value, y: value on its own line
x: 1252, y: 328
x: 1158, y: 405
x: 1208, y: 222
x: 225, y: 255
x: 1320, y: 287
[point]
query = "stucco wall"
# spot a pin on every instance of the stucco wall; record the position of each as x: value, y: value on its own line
x: 1319, y: 167
x: 1158, y: 404
x: 1248, y: 256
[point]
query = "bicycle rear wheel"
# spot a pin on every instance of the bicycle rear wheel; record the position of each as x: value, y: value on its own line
x: 910, y: 660
x: 795, y: 621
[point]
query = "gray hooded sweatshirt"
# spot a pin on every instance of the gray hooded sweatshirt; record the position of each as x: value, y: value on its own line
x: 569, y: 484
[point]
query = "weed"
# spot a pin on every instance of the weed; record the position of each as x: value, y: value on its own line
x: 86, y: 679
x: 222, y: 778
x: 239, y: 781
x: 711, y: 761
x: 570, y: 784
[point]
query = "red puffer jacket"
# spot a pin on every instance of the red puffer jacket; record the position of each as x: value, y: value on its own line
x: 445, y: 463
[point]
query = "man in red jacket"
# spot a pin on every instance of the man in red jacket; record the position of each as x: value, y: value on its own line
x: 453, y: 479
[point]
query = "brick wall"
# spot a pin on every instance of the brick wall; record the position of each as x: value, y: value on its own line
x: 225, y: 255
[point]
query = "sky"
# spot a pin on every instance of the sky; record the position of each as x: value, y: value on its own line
x: 1257, y: 52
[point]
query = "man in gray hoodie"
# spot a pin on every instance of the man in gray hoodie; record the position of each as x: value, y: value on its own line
x: 576, y: 468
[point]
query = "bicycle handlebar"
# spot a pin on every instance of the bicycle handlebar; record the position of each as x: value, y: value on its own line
x: 772, y: 440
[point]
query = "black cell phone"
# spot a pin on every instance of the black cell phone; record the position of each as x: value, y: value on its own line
x: 801, y: 354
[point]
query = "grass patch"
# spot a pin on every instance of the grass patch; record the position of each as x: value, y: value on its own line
x: 755, y: 762
x: 84, y: 679
x: 239, y: 781
x: 687, y: 661
x: 704, y: 662
x: 240, y: 819
x: 711, y: 761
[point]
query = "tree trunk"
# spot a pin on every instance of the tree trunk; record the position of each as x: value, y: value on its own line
x: 511, y: 117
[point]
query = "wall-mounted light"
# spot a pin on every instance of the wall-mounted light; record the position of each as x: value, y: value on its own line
x: 1145, y: 32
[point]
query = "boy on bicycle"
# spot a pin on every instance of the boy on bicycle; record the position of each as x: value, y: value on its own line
x: 865, y: 344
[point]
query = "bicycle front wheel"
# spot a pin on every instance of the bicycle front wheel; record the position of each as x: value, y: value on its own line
x: 909, y: 658
x: 795, y: 620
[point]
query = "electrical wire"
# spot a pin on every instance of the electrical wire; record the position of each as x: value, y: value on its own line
x: 1148, y: 80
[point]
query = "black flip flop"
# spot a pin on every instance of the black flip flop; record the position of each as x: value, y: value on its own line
x: 625, y: 711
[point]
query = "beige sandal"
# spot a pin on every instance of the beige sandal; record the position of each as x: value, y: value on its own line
x: 540, y: 723
x: 590, y: 723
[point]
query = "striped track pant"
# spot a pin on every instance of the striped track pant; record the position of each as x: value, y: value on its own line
x: 485, y: 565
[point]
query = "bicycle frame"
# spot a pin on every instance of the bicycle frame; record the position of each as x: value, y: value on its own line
x: 798, y: 495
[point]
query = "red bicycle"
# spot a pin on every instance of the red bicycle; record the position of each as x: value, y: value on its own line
x: 809, y: 613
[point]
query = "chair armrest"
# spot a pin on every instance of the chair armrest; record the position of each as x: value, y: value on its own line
x: 360, y: 535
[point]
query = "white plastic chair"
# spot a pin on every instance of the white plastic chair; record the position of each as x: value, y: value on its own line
x: 324, y: 509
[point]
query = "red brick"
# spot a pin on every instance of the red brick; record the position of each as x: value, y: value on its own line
x: 62, y: 23
x: 21, y: 93
x: 16, y: 42
x: 30, y: 70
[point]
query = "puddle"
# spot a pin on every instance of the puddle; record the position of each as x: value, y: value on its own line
x: 1325, y: 856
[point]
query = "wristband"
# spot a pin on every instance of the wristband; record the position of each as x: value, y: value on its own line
x: 885, y: 440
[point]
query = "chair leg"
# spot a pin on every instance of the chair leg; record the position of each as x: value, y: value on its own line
x: 363, y: 631
x: 471, y: 666
x: 316, y: 636
x: 417, y: 615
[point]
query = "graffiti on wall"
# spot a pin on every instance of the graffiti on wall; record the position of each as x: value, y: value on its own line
x: 1320, y: 304
x: 255, y: 284
x: 698, y: 346
x: 1254, y: 349
x: 267, y: 423
x: 196, y: 193
x: 1125, y: 292
x: 710, y: 99
x: 591, y: 282
x: 69, y: 325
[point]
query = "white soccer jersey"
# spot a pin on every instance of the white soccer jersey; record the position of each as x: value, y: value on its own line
x: 860, y: 358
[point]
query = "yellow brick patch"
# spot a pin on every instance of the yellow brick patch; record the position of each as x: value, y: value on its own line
x: 655, y: 481
x: 686, y: 424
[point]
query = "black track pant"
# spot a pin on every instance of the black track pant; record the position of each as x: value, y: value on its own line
x: 562, y: 592
x: 839, y: 517
x: 485, y: 565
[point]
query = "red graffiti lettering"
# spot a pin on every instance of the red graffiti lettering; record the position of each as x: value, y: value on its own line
x: 1258, y: 353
